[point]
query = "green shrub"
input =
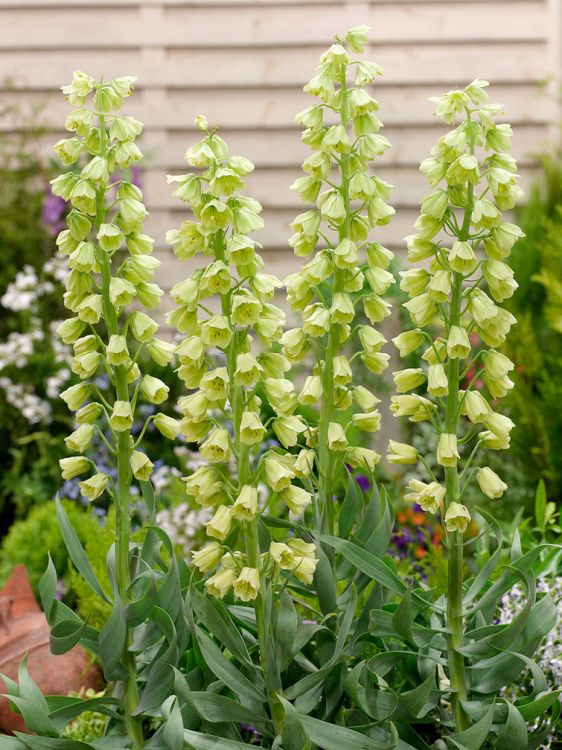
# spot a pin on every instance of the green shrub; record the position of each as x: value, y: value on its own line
x: 30, y: 542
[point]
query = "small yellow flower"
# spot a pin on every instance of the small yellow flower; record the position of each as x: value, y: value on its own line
x: 141, y: 466
x: 296, y: 499
x: 447, y: 451
x: 121, y: 418
x: 220, y: 584
x: 401, y: 453
x: 246, y: 504
x: 220, y: 523
x: 490, y: 483
x: 208, y: 558
x: 216, y: 447
x: 247, y: 585
x: 95, y: 486
x: 337, y: 441
x: 457, y: 517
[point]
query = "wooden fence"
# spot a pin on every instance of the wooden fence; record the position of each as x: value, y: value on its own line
x: 243, y: 64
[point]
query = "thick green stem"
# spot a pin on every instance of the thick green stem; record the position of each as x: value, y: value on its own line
x: 122, y: 500
x: 455, y: 621
x: 270, y: 671
x: 325, y: 455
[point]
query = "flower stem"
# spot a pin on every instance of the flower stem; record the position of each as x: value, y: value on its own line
x: 262, y: 607
x: 133, y: 723
x: 325, y: 455
x: 455, y: 623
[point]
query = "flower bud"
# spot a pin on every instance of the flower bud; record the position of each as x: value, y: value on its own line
x: 408, y: 341
x: 219, y: 525
x: 208, y: 558
x: 73, y: 466
x: 141, y: 466
x: 80, y: 439
x: 447, y: 451
x: 337, y: 440
x: 90, y: 309
x: 490, y: 483
x: 95, y: 486
x: 161, y: 352
x: 75, y: 395
x: 278, y: 473
x: 408, y: 379
x: 142, y: 326
x: 296, y: 499
x: 117, y: 352
x: 121, y: 418
x: 401, y: 453
x: 167, y: 426
x: 251, y: 428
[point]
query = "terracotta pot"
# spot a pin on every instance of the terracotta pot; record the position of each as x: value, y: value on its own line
x: 24, y: 629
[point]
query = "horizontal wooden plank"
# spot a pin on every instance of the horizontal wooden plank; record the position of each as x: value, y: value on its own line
x: 264, y: 108
x: 277, y: 230
x: 443, y: 64
x: 271, y: 187
x: 251, y: 25
x: 283, y: 147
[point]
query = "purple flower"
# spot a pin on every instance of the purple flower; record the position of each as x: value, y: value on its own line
x: 53, y: 211
x: 363, y: 482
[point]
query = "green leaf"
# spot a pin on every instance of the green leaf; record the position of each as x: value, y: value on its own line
x: 76, y: 552
x: 540, y: 505
x: 473, y: 737
x: 533, y: 709
x: 350, y: 507
x: 378, y: 704
x: 216, y: 618
x: 172, y: 734
x: 514, y: 734
x: 199, y: 741
x: 112, y: 641
x: 285, y: 629
x: 161, y: 676
x: 11, y: 743
x: 324, y: 583
x: 417, y: 700
x: 225, y: 669
x: 218, y: 708
x: 52, y: 743
x: 484, y: 574
x: 402, y: 618
x: 294, y: 734
x: 308, y: 682
x: 66, y: 634
x: 329, y: 736
x: 64, y: 708
x: 147, y: 491
x: 366, y: 563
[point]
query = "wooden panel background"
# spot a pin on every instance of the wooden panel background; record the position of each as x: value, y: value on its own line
x: 243, y: 64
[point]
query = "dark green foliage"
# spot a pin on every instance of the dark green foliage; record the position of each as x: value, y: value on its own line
x: 536, y: 345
